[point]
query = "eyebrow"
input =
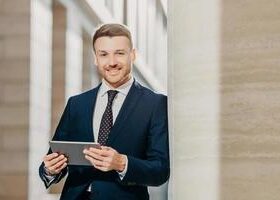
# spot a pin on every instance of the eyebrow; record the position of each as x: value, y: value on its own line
x: 105, y: 51
x: 101, y: 51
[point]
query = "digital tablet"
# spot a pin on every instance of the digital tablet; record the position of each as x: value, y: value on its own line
x: 73, y: 151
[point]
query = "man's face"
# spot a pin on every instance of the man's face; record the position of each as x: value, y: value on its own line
x: 114, y: 58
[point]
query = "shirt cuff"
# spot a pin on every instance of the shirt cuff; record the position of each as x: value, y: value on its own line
x: 122, y: 174
x: 49, y: 179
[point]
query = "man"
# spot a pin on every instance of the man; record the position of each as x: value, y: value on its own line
x: 127, y: 119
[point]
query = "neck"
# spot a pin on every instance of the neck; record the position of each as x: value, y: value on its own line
x: 114, y: 86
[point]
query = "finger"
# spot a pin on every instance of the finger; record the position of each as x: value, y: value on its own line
x: 58, y: 165
x: 95, y: 150
x: 108, y: 151
x: 98, y: 163
x: 91, y: 152
x: 106, y: 148
x: 93, y: 155
x: 104, y: 151
x: 101, y: 168
x: 50, y: 156
x: 59, y: 169
x: 91, y: 160
x: 54, y: 161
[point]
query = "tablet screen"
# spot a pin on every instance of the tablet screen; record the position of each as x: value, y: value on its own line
x: 73, y: 151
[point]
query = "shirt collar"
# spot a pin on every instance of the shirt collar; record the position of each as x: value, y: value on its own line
x: 123, y: 89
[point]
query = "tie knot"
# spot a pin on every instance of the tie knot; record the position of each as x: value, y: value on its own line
x: 111, y: 95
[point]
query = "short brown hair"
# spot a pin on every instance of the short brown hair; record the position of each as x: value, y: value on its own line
x: 112, y: 30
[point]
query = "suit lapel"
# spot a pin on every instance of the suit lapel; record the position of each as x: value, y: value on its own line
x: 128, y: 106
x: 90, y: 111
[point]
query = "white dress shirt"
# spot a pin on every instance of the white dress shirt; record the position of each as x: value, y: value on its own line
x: 102, y: 99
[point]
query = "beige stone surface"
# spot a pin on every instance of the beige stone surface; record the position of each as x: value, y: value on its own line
x: 13, y: 115
x: 16, y: 6
x: 14, y: 71
x: 224, y: 84
x: 250, y: 140
x: 13, y: 162
x: 14, y: 93
x: 58, y: 64
x: 14, y: 139
x: 14, y: 98
x: 12, y: 24
x: 9, y: 183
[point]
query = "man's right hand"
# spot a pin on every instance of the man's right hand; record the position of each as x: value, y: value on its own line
x: 54, y: 163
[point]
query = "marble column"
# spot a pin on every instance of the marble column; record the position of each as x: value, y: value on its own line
x: 224, y: 99
x: 250, y: 96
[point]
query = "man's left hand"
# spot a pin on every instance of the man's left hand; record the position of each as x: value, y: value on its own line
x: 105, y: 159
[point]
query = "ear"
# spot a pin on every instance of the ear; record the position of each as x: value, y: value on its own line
x: 133, y: 55
x: 95, y: 59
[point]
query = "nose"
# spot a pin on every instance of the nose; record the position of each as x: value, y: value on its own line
x: 112, y: 61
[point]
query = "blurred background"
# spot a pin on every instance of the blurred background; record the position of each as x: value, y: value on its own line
x: 45, y: 57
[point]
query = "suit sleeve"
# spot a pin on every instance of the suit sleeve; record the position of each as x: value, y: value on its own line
x: 154, y: 170
x: 61, y: 130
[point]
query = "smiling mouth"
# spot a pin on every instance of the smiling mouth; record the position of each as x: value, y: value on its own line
x: 113, y: 71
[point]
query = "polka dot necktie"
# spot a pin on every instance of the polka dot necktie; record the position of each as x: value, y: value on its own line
x: 107, y: 119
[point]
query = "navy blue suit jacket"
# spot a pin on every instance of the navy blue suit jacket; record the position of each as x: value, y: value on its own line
x: 140, y: 132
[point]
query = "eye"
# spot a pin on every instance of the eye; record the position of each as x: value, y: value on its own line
x: 103, y: 54
x: 121, y: 53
